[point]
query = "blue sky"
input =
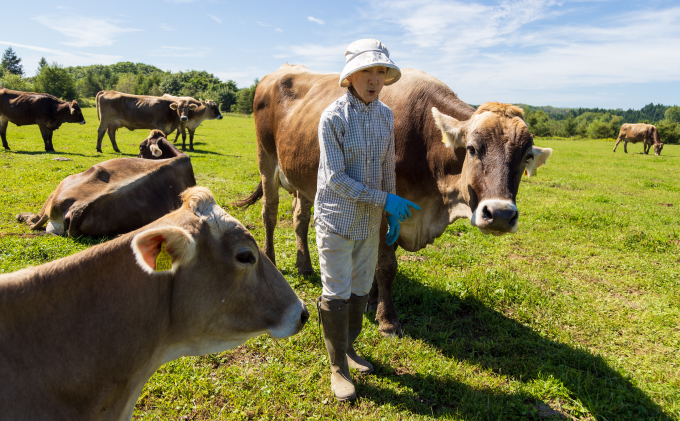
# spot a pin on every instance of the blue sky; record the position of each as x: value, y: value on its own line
x: 604, y: 53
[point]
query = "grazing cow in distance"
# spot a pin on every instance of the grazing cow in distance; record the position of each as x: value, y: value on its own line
x: 48, y: 112
x: 156, y: 146
x: 114, y: 197
x: 116, y: 110
x: 206, y: 110
x: 640, y: 132
x: 475, y: 173
x: 81, y: 335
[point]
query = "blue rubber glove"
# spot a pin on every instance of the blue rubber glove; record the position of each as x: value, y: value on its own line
x: 392, y: 230
x: 398, y: 206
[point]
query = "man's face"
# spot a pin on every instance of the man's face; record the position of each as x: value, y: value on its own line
x: 368, y: 83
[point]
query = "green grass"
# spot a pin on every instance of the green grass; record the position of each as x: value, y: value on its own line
x: 575, y: 316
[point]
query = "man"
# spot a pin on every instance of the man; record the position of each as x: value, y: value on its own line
x: 356, y: 182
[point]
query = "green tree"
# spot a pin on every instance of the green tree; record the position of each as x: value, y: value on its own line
x: 126, y: 83
x: 672, y: 114
x: 12, y: 63
x: 244, y: 99
x: 42, y: 63
x: 53, y: 79
x: 16, y: 83
x: 669, y: 131
x: 569, y: 127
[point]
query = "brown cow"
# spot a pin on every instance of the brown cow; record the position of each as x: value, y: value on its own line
x: 206, y: 110
x: 156, y: 146
x: 116, y: 110
x: 640, y: 132
x: 477, y: 178
x: 48, y: 112
x: 114, y: 197
x: 80, y: 336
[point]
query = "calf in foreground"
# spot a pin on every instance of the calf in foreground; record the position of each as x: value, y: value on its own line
x: 48, y: 112
x: 156, y: 146
x: 80, y: 336
x: 645, y: 133
x: 114, y: 197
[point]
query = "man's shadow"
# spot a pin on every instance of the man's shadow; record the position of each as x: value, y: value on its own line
x: 467, y: 330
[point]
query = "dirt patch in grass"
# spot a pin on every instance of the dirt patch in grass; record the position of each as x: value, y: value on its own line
x: 411, y: 258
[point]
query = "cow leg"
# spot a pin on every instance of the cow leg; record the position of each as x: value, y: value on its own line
x: 176, y: 136
x: 625, y: 146
x: 301, y: 216
x: 101, y: 131
x: 386, y: 270
x: 112, y: 137
x: 47, y: 138
x: 184, y: 139
x: 3, y: 131
x: 618, y: 140
x: 645, y: 148
x: 191, y: 139
x: 270, y: 200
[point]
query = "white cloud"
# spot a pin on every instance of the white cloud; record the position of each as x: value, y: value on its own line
x: 243, y: 78
x: 313, y: 19
x: 166, y: 27
x: 263, y: 24
x: 85, y: 31
x: 320, y: 58
x: 278, y: 30
x: 215, y: 18
x: 170, y: 51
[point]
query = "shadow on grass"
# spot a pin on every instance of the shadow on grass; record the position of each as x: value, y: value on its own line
x: 468, y: 330
x: 66, y: 153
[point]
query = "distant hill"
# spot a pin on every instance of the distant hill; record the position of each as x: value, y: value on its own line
x: 650, y: 112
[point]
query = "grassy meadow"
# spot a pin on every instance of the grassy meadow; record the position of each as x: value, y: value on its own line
x: 577, y: 316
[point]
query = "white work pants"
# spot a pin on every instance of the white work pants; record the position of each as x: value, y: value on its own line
x: 347, y: 266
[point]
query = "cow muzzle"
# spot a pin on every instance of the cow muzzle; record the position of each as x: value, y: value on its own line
x: 496, y: 217
x: 184, y: 118
x: 219, y: 117
x: 292, y: 321
x: 82, y: 122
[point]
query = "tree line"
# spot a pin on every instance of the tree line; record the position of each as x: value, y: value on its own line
x: 143, y: 79
x: 82, y: 82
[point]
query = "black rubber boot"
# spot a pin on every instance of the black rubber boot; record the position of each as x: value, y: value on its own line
x: 357, y: 306
x: 334, y: 318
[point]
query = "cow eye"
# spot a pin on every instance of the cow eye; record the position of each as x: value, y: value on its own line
x: 471, y: 150
x: 245, y: 256
x: 528, y: 158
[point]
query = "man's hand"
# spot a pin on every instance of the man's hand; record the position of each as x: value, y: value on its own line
x: 398, y: 206
x: 392, y: 230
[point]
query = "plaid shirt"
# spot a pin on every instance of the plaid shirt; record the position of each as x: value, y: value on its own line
x: 356, y: 167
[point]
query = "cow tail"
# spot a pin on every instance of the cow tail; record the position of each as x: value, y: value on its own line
x: 252, y: 199
x: 99, y: 110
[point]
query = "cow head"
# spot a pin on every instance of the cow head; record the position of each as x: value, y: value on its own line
x: 156, y: 146
x: 183, y: 107
x: 498, y: 150
x: 213, y: 110
x: 225, y: 290
x: 657, y: 148
x: 76, y: 114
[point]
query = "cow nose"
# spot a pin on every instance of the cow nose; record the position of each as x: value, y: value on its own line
x: 498, y: 216
x: 304, y: 317
x: 219, y: 117
x: 184, y: 118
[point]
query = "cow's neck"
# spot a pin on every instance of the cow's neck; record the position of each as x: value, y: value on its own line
x: 125, y: 315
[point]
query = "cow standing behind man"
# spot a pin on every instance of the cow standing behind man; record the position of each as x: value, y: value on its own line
x: 116, y: 110
x: 206, y: 110
x: 640, y: 132
x: 48, y: 112
x: 80, y: 336
x: 477, y: 177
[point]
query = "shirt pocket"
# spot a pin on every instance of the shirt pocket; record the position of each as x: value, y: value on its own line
x: 383, y: 139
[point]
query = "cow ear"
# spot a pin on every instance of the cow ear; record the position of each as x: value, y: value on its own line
x: 452, y: 132
x: 173, y: 106
x: 163, y: 249
x: 540, y: 156
x: 71, y: 106
x: 193, y: 107
x: 155, y: 151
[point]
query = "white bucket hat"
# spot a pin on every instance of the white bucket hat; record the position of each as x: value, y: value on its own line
x: 367, y: 53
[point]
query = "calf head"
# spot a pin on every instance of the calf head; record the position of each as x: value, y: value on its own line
x: 657, y: 148
x: 156, y: 146
x: 76, y: 113
x: 183, y: 107
x: 225, y: 290
x: 498, y: 150
x: 212, y: 109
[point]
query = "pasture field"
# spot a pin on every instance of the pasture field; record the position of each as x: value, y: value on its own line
x: 575, y: 317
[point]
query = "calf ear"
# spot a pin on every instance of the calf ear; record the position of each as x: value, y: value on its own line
x: 452, y: 132
x: 173, y: 106
x: 71, y: 106
x: 178, y: 244
x: 155, y: 151
x: 193, y: 107
x: 541, y: 155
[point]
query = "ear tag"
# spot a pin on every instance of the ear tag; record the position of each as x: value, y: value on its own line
x: 163, y: 260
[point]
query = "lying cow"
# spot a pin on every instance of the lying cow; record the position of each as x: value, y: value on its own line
x: 156, y: 146
x: 475, y: 173
x: 116, y: 110
x: 48, y: 112
x: 640, y: 132
x: 80, y: 336
x: 206, y: 110
x: 114, y: 197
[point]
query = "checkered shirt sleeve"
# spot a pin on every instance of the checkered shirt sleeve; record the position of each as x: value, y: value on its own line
x: 356, y: 166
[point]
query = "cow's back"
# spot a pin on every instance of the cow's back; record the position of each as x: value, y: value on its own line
x: 121, y: 195
x: 116, y: 109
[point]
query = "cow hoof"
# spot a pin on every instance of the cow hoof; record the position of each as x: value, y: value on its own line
x: 117, y: 150
x: 305, y: 272
x: 99, y: 150
x: 372, y: 306
x: 391, y: 332
x: 191, y: 149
